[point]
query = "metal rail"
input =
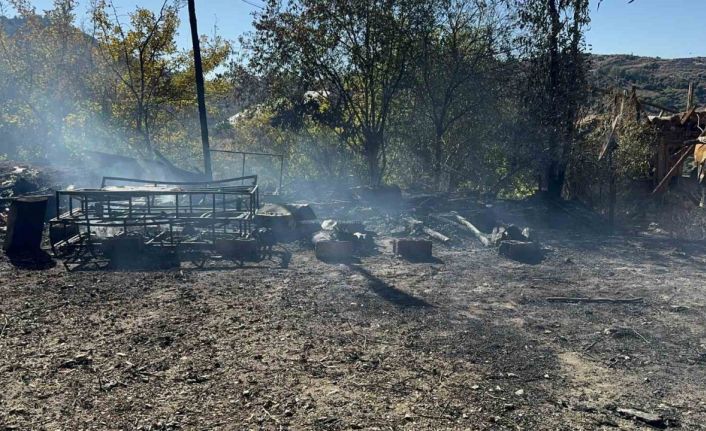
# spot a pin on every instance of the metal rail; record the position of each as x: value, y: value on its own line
x: 253, y: 153
x: 186, y: 217
x: 180, y: 183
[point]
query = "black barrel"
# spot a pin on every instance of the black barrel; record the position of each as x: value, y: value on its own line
x: 25, y: 224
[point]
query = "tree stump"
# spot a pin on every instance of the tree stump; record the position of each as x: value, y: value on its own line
x: 521, y: 251
x: 331, y: 250
x: 412, y: 248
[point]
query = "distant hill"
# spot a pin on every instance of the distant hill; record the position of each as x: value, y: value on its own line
x: 10, y: 26
x: 662, y: 81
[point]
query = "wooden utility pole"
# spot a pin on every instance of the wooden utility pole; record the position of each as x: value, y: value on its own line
x: 200, y: 91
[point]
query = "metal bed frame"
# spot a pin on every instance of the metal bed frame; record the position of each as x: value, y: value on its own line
x: 186, y: 219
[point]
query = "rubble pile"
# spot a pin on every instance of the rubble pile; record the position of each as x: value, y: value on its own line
x: 415, y: 222
x: 19, y: 180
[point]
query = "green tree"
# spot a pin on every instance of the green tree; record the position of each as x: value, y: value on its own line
x: 141, y: 56
x: 455, y: 73
x: 153, y: 98
x: 45, y: 62
x: 555, y: 82
x: 356, y: 54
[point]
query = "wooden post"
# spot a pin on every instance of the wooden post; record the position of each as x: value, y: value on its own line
x: 612, y: 192
x: 200, y: 91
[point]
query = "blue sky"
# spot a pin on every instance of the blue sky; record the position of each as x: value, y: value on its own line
x: 658, y: 28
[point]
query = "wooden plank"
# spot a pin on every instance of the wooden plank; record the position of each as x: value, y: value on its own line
x: 483, y: 238
x: 415, y: 224
x: 676, y: 166
x: 685, y: 118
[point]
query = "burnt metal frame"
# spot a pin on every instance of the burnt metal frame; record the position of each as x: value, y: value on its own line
x: 186, y: 184
x: 250, y: 153
x: 218, y: 212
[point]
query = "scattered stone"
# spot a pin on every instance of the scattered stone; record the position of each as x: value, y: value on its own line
x: 78, y: 361
x: 520, y: 392
x: 638, y: 415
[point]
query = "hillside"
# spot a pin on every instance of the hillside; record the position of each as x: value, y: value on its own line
x: 10, y: 25
x: 663, y: 81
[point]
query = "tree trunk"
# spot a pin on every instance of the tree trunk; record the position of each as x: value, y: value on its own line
x: 373, y: 170
x: 140, y: 126
x: 555, y: 175
x: 372, y: 147
x: 453, y: 182
x: 554, y: 171
x: 438, y: 153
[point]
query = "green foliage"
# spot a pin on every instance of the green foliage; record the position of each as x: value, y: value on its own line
x: 555, y: 82
x: 42, y: 69
x: 629, y: 163
x: 455, y: 80
x: 637, y: 145
x: 353, y: 53
x: 312, y: 151
x: 126, y: 89
x: 471, y: 95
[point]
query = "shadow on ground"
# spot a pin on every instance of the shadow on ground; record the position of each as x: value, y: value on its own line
x: 388, y: 292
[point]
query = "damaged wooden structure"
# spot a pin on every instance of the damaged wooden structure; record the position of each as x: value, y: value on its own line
x: 679, y: 134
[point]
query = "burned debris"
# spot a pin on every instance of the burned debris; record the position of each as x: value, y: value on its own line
x: 139, y: 223
x: 134, y: 222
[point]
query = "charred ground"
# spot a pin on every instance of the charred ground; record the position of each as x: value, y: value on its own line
x: 468, y: 341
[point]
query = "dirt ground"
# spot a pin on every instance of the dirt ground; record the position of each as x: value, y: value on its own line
x: 467, y: 341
